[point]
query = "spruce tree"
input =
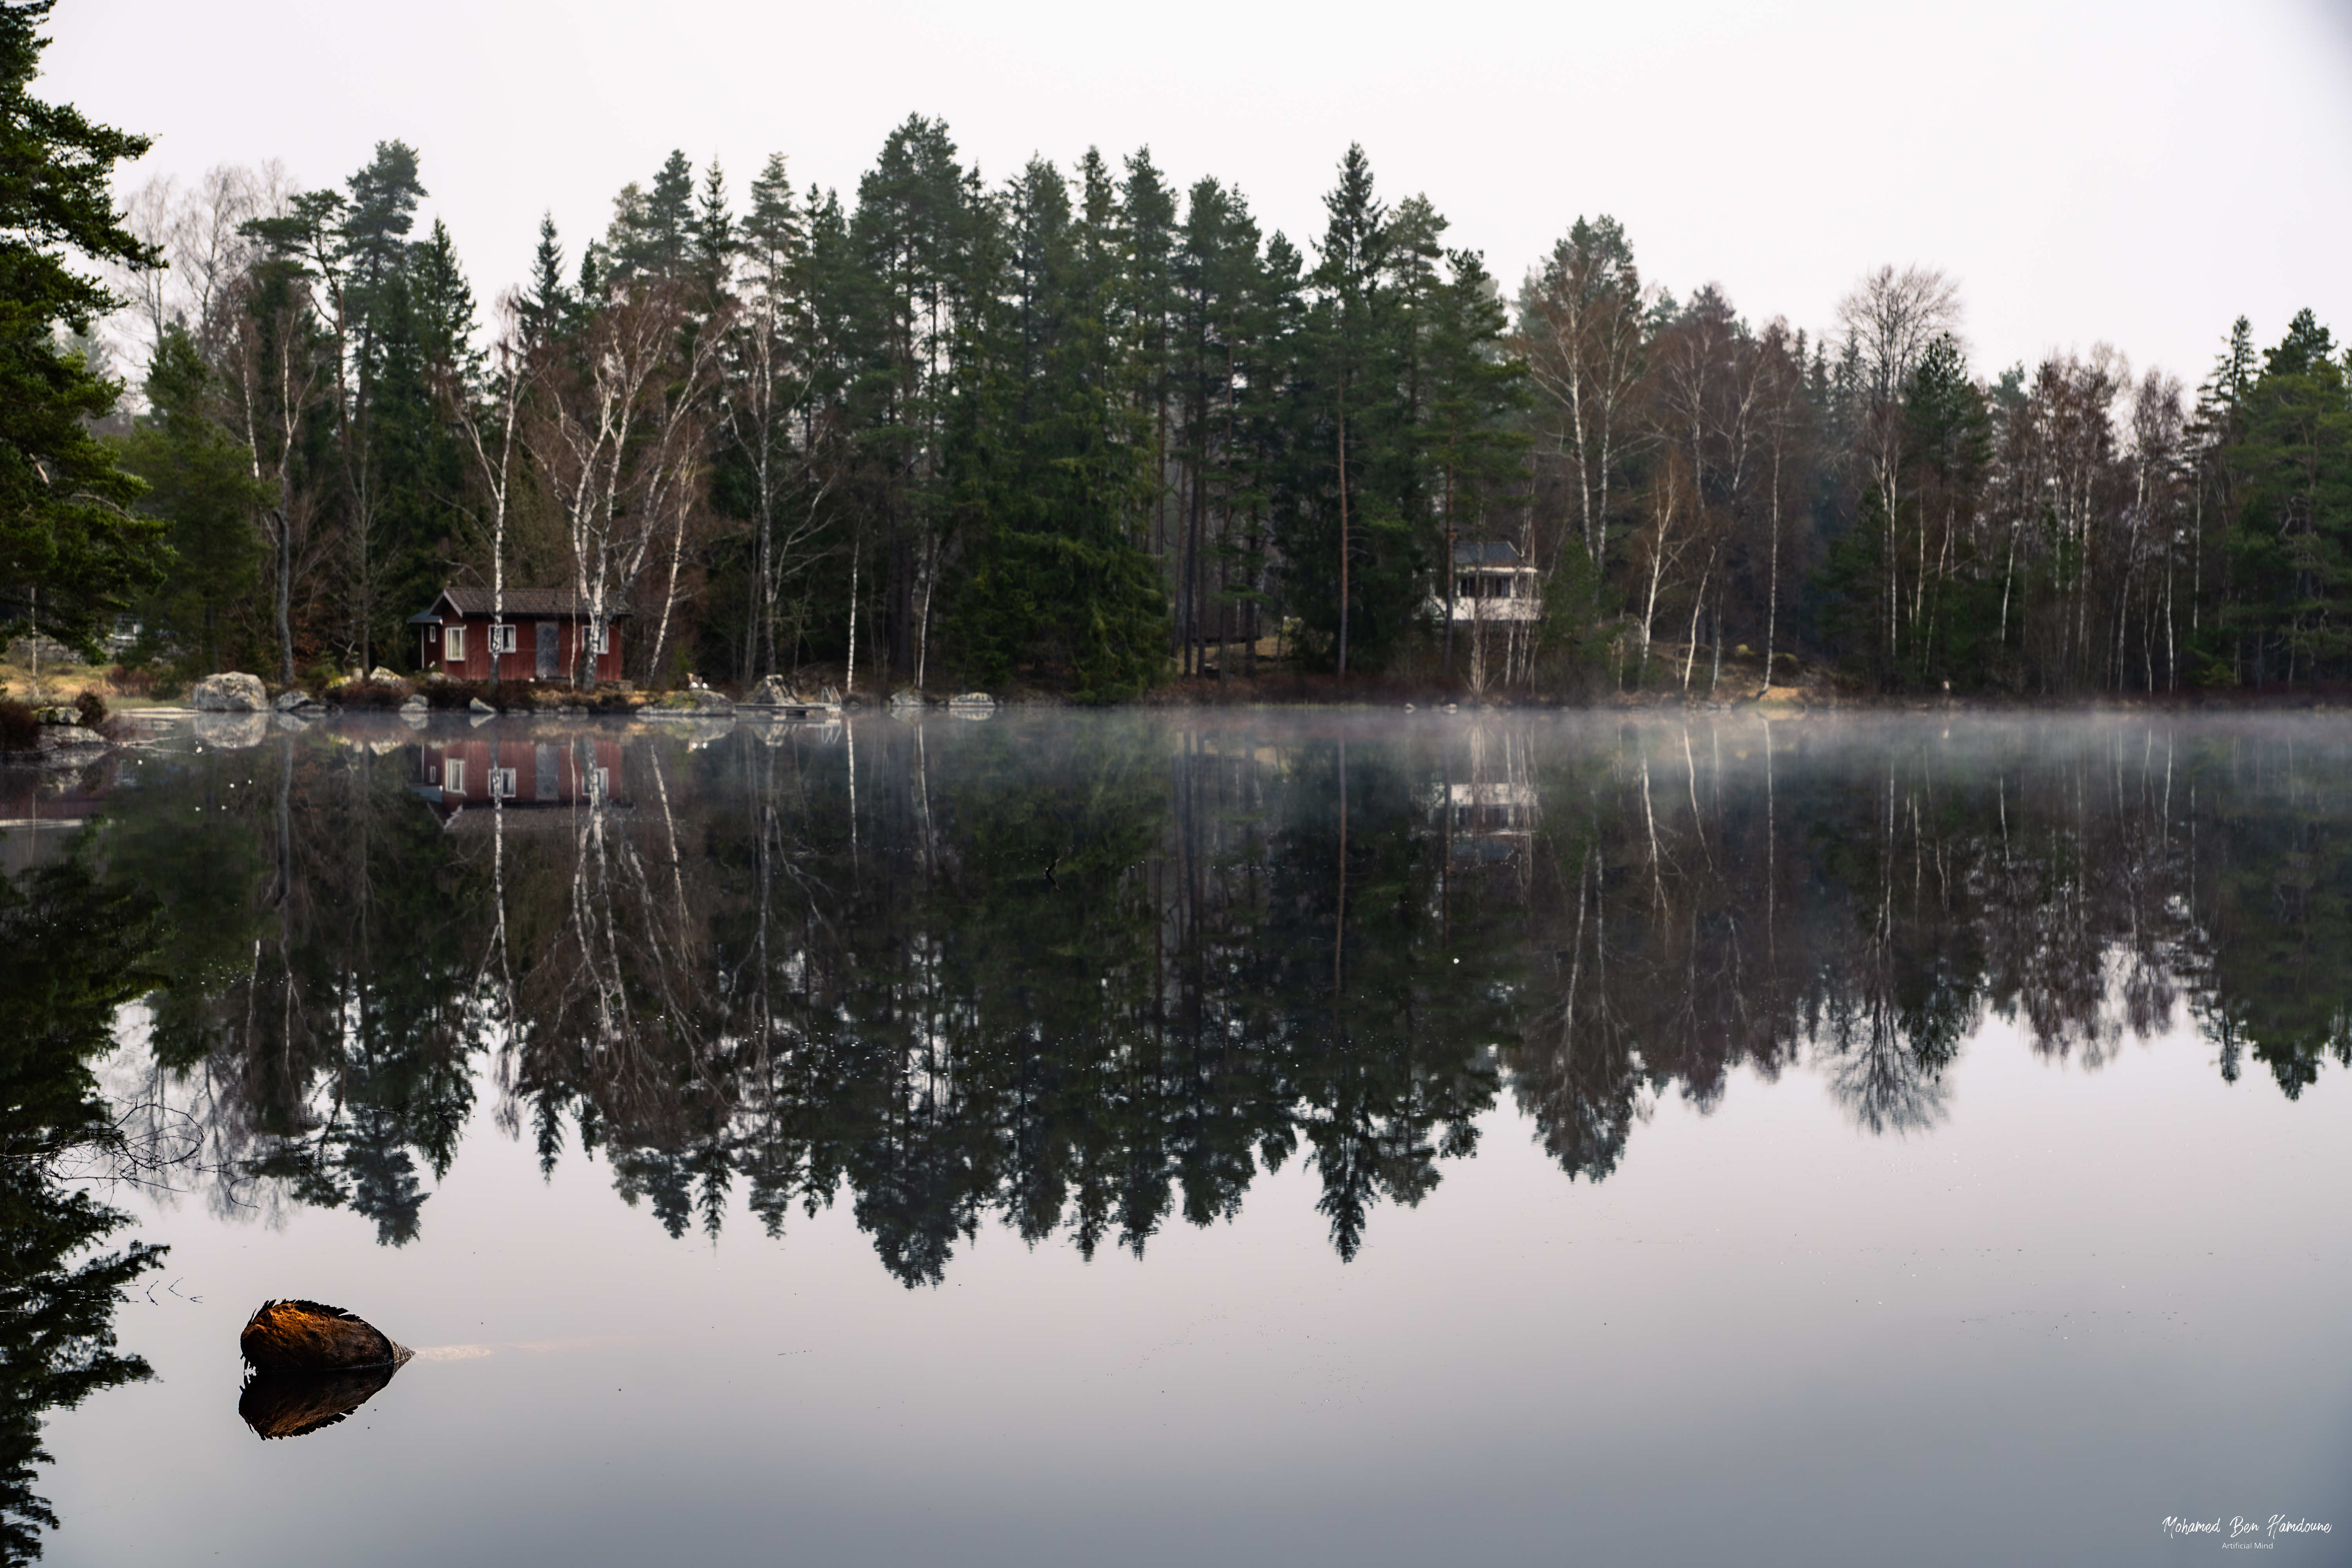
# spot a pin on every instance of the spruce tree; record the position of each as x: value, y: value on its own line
x: 1348, y: 395
x: 2292, y: 547
x: 669, y: 226
x: 547, y: 302
x: 200, y: 485
x: 1148, y: 212
x: 424, y: 356
x: 1047, y: 465
x: 713, y: 239
x: 1475, y: 437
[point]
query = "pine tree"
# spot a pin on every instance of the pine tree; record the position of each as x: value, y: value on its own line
x: 72, y: 554
x: 653, y: 231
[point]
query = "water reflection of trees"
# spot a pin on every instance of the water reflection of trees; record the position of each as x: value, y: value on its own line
x: 75, y: 947
x: 1085, y: 977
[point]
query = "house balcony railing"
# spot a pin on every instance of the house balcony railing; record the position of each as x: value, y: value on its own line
x: 1467, y: 611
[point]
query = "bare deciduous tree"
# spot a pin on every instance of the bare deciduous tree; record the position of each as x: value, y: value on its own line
x: 491, y: 430
x: 1580, y: 330
x: 616, y: 434
x: 201, y: 232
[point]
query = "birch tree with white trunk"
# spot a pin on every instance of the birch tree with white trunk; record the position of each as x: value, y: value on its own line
x: 1582, y: 335
x: 616, y: 434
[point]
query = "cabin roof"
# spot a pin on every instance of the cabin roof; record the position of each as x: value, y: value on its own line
x: 1487, y: 553
x: 520, y: 604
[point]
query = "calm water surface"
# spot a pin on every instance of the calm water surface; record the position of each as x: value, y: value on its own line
x: 1239, y: 1138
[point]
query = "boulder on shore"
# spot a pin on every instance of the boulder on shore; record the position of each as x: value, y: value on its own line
x: 232, y: 692
x: 694, y: 702
x: 308, y: 1336
x: 293, y: 700
x: 772, y: 692
x: 380, y: 676
x: 478, y: 706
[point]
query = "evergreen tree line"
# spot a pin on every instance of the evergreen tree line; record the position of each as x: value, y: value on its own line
x: 1086, y: 430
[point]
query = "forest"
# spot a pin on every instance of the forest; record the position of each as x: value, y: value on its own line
x: 1089, y: 430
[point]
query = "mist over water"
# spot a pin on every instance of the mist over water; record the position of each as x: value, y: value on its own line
x: 1250, y: 1135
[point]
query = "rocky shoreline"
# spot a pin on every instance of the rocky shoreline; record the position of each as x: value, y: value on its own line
x: 236, y: 710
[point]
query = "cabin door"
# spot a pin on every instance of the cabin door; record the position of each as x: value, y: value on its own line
x: 545, y: 640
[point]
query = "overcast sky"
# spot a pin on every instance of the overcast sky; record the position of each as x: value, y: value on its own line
x: 2136, y: 172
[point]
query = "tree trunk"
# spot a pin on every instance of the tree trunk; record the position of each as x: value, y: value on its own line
x: 849, y: 677
x: 285, y: 597
x: 1343, y: 526
x: 1772, y: 589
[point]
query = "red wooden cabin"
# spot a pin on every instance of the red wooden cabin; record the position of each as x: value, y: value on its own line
x: 538, y: 637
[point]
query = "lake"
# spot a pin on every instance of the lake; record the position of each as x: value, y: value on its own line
x: 1239, y: 1137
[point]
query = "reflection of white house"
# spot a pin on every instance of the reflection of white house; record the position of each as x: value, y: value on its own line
x: 1486, y: 808
x: 1492, y: 582
x: 1486, y: 822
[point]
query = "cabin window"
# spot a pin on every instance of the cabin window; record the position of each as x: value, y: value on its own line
x: 502, y: 639
x: 433, y: 634
x: 502, y: 783
x: 454, y: 644
x: 601, y: 786
x: 604, y: 640
x: 453, y: 776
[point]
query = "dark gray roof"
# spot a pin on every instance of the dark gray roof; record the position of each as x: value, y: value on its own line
x: 521, y: 604
x: 1486, y: 553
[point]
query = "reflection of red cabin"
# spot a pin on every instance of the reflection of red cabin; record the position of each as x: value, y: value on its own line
x: 517, y: 772
x: 537, y: 637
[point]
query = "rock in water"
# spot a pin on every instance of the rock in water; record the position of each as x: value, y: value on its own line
x: 69, y: 737
x: 306, y: 1336
x: 235, y: 692
x: 478, y: 706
